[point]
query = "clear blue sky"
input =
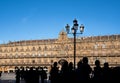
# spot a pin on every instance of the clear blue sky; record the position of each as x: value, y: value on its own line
x: 43, y: 19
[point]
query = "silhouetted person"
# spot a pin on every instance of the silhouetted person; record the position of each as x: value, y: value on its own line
x: 18, y: 75
x: 85, y: 69
x: 27, y: 75
x: 97, y: 71
x: 64, y: 72
x: 22, y: 73
x: 54, y: 76
x: 78, y: 72
x: 0, y: 73
x: 71, y: 72
x: 43, y: 75
x: 106, y: 72
x: 31, y: 75
x: 37, y: 74
x: 116, y: 73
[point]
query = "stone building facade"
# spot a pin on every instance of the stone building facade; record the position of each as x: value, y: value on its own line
x: 44, y: 52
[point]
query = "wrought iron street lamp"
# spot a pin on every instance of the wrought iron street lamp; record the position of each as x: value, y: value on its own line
x: 74, y: 32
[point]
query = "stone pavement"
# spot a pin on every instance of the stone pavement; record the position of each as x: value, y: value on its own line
x: 10, y: 78
x: 13, y: 81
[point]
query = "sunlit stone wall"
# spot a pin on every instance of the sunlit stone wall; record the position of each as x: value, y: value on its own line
x: 44, y: 52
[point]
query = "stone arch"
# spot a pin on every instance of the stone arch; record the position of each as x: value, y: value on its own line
x: 61, y: 61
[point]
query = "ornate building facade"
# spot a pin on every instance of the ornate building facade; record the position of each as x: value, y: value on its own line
x: 44, y: 52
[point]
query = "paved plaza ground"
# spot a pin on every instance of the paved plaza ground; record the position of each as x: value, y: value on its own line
x: 10, y: 78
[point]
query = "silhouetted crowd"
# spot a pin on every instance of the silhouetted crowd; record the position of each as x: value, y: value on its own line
x: 31, y: 74
x: 83, y: 72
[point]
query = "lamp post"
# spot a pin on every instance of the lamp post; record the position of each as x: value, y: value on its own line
x: 74, y: 32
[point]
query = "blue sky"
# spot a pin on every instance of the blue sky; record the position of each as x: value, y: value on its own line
x: 44, y: 19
